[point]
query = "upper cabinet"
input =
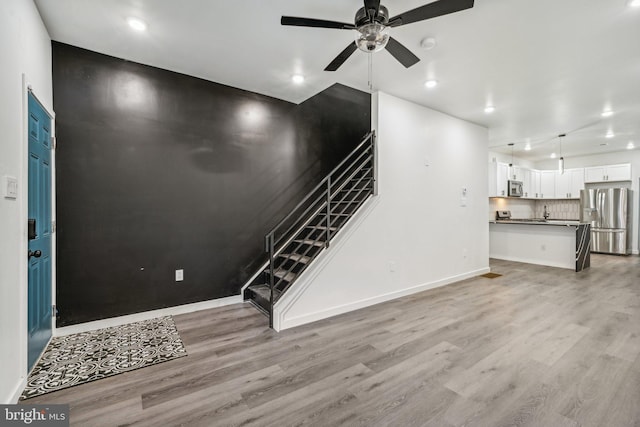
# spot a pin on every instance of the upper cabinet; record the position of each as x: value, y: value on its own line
x: 569, y: 184
x: 535, y: 185
x: 608, y: 173
x: 498, y: 177
x: 516, y: 173
x: 548, y: 184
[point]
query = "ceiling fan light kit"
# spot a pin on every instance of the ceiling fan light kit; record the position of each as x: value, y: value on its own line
x: 372, y: 38
x: 372, y: 23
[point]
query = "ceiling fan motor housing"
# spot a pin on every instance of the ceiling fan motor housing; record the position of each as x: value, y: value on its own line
x: 362, y: 18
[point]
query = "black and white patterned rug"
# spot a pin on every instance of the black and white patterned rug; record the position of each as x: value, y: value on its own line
x: 80, y: 358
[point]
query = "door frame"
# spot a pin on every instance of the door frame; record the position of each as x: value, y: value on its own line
x: 23, y: 192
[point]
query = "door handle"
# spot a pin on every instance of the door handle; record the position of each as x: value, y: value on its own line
x: 36, y: 254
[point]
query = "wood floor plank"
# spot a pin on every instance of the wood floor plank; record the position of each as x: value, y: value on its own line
x: 558, y: 344
x: 588, y: 402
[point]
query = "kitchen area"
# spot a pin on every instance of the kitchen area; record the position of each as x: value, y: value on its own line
x: 558, y: 217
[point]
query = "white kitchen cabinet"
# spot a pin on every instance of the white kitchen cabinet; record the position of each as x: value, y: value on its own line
x: 548, y: 184
x: 620, y: 172
x: 498, y: 177
x: 577, y: 182
x: 569, y: 184
x: 516, y: 173
x: 536, y: 193
x: 526, y: 183
x: 563, y: 182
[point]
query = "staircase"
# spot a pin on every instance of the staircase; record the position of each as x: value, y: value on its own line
x: 307, y: 230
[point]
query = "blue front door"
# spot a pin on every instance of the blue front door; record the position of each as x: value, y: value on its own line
x: 39, y: 211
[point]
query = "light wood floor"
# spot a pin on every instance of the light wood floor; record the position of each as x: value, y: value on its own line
x: 538, y: 347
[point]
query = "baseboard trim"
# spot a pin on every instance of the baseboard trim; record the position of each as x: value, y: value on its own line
x: 530, y: 261
x: 146, y: 315
x: 17, y: 392
x: 334, y: 311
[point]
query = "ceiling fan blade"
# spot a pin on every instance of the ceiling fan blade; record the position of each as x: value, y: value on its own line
x: 401, y: 53
x: 431, y: 10
x: 318, y: 23
x: 343, y: 56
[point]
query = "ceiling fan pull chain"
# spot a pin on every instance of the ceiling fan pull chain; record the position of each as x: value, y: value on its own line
x: 370, y: 72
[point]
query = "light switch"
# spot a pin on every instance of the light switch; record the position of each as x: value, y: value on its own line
x: 10, y: 187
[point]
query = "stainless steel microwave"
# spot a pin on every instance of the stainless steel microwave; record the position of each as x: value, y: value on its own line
x: 515, y: 189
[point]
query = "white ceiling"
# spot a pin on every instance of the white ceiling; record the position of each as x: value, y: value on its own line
x: 548, y: 66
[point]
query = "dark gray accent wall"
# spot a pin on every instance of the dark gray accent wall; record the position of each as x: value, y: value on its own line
x: 158, y: 171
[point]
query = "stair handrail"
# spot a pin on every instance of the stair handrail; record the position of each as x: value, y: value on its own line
x: 367, y: 137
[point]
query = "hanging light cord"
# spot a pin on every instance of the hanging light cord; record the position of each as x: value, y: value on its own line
x: 370, y: 83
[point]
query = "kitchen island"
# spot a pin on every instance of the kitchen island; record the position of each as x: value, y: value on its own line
x: 564, y: 244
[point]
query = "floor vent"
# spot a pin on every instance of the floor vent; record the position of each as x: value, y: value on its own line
x: 491, y: 275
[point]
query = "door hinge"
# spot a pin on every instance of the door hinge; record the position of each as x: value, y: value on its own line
x: 53, y: 226
x: 54, y: 142
x: 54, y: 311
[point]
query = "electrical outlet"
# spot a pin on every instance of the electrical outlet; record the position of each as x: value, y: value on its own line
x: 179, y: 275
x: 393, y: 266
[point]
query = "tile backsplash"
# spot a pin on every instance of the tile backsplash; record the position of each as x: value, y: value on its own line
x: 558, y: 209
x: 519, y: 208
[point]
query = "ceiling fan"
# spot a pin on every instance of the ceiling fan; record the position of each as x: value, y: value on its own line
x: 372, y: 23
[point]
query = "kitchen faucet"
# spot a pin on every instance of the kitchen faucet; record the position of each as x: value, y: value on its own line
x: 546, y: 212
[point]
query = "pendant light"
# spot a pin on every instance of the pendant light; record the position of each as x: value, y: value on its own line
x: 561, y: 159
x: 511, y: 164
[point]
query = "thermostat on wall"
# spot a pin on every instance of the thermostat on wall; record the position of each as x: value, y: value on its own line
x: 10, y: 187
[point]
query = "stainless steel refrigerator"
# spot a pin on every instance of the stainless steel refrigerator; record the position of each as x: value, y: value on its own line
x: 608, y: 211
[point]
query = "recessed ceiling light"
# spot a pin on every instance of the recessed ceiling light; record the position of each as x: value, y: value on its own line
x: 527, y: 147
x: 489, y: 109
x: 553, y: 155
x: 297, y: 79
x: 634, y: 3
x: 607, y: 113
x: 431, y: 83
x: 610, y: 135
x: 137, y: 24
x: 630, y: 146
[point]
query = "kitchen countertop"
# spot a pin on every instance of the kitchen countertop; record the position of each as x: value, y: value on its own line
x: 562, y: 222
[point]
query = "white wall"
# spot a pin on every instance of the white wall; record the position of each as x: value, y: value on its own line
x: 506, y: 158
x: 25, y: 49
x: 415, y: 234
x: 629, y: 156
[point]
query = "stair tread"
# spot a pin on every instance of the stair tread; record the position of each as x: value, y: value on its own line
x: 263, y: 291
x: 297, y: 258
x: 322, y: 227
x: 310, y: 242
x: 284, y: 274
